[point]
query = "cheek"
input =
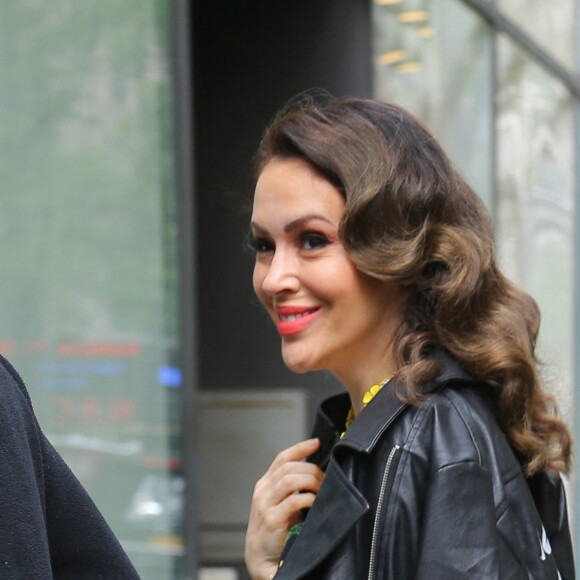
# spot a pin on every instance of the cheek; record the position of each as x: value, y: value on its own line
x: 384, y: 299
x: 368, y: 294
x: 344, y: 281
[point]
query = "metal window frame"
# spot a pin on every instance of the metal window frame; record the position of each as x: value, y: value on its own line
x: 182, y: 46
x: 503, y: 24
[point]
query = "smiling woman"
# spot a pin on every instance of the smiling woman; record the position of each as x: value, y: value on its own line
x: 375, y: 259
x: 328, y: 313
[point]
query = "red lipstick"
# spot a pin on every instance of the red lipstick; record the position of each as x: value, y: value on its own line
x: 294, y: 319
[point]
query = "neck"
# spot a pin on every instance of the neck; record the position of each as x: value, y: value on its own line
x: 358, y: 386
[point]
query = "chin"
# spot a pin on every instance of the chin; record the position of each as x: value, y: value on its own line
x: 297, y: 368
x: 297, y: 364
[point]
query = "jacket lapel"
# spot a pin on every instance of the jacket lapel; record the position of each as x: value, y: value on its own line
x: 338, y: 506
x: 376, y: 418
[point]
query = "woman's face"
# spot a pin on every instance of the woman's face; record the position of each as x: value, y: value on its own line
x: 329, y: 315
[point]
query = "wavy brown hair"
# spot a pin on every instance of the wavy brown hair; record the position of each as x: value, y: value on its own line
x: 411, y: 218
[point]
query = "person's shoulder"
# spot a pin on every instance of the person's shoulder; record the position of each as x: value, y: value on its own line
x: 7, y: 370
x: 12, y: 387
x: 473, y: 409
x: 455, y: 394
x: 451, y: 423
x: 472, y: 401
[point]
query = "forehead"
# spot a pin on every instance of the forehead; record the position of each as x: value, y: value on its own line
x: 292, y: 186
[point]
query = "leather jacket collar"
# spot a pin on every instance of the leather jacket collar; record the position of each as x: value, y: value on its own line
x: 362, y: 436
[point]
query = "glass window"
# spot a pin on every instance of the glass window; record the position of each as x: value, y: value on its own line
x: 417, y: 64
x: 536, y: 191
x: 548, y: 22
x: 88, y: 267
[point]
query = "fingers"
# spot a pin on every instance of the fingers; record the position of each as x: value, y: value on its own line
x: 288, y: 478
x: 280, y: 506
x: 289, y: 485
x: 292, y: 477
x: 297, y: 452
x: 288, y: 474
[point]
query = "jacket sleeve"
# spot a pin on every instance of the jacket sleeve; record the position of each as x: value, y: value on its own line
x: 549, y: 496
x: 50, y: 527
x: 459, y: 537
x: 467, y: 533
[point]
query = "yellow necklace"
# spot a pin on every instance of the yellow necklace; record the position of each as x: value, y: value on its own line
x: 367, y: 398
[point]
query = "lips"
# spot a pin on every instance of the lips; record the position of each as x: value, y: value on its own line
x: 294, y: 319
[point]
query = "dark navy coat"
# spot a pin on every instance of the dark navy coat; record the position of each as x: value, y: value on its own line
x: 49, y: 527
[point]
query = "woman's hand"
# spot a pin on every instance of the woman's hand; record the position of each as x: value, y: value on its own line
x: 289, y: 485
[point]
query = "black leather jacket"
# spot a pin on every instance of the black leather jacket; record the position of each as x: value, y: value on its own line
x: 433, y: 491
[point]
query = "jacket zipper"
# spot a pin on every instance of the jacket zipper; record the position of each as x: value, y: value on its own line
x: 381, y: 500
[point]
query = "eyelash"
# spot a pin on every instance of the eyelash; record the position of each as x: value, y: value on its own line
x: 320, y: 240
x: 315, y: 240
x: 259, y: 245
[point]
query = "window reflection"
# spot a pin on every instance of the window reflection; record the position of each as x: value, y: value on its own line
x: 535, y: 133
x: 549, y: 22
x: 417, y: 64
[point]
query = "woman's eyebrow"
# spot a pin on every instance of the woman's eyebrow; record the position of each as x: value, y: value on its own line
x: 294, y: 224
x: 297, y: 223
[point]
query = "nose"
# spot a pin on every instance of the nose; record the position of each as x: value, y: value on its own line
x: 280, y: 274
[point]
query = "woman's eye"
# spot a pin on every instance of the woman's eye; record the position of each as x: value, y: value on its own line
x: 312, y: 240
x: 260, y: 245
